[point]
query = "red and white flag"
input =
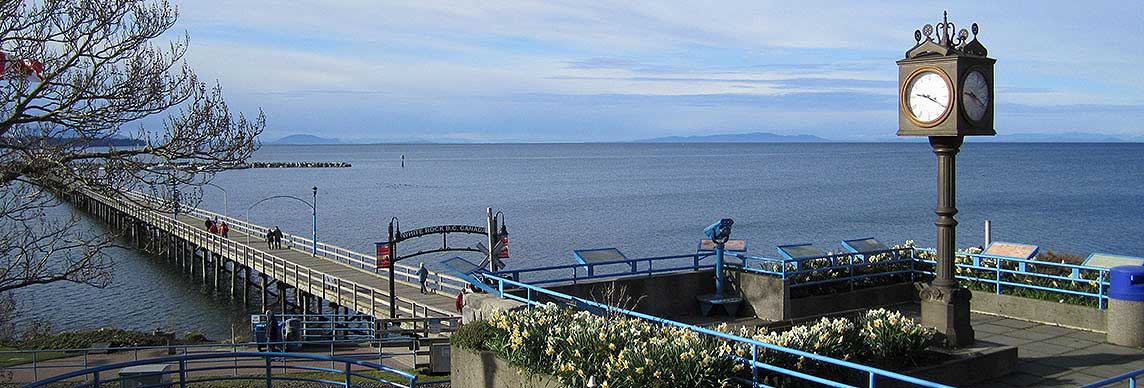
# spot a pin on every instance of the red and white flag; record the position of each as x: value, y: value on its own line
x: 24, y: 67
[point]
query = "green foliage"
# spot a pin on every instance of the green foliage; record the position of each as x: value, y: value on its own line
x: 473, y: 336
x: 879, y: 337
x: 113, y: 337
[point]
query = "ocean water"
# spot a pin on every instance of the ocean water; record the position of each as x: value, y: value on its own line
x: 646, y: 200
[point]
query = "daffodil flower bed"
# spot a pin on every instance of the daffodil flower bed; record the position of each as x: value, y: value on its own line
x: 621, y: 351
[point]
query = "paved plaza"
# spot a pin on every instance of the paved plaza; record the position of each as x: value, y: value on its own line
x: 1053, y: 356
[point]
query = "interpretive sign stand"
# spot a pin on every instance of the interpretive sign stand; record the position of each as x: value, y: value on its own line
x: 799, y: 251
x: 599, y: 255
x: 862, y: 246
x: 1107, y: 260
x: 707, y: 245
x: 1007, y: 249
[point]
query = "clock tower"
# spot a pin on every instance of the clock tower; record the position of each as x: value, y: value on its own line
x: 946, y: 93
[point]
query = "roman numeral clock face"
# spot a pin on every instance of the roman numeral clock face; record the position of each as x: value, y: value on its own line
x: 928, y: 97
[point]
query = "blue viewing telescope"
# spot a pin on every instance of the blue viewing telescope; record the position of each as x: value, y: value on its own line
x: 720, y: 232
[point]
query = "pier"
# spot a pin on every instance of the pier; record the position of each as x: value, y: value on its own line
x: 303, y: 277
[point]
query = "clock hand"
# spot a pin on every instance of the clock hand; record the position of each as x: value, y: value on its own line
x: 974, y: 97
x: 930, y: 98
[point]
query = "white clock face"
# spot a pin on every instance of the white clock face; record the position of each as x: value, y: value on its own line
x: 974, y: 95
x: 928, y: 96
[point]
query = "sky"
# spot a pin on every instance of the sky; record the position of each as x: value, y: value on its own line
x: 504, y: 71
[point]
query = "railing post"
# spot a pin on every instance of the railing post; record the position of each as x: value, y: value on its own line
x: 183, y: 373
x: 97, y: 382
x: 998, y: 268
x: 754, y: 364
x: 348, y: 367
x: 1100, y: 297
x: 269, y: 370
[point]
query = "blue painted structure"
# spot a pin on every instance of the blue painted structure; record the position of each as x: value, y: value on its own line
x: 260, y: 366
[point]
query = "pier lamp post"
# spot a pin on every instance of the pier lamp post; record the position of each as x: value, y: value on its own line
x: 225, y: 202
x: 314, y: 211
x: 946, y: 93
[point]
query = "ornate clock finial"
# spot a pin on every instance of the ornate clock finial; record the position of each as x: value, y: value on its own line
x: 945, y: 26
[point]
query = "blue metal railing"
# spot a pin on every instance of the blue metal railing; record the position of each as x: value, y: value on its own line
x: 41, y: 360
x: 830, y: 268
x: 1130, y: 377
x: 203, y: 368
x: 610, y: 269
x: 754, y: 362
x: 1090, y: 282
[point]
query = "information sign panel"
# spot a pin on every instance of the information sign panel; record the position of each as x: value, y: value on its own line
x: 799, y: 251
x: 588, y: 256
x: 1017, y: 251
x: 1105, y: 260
x: 864, y: 245
x: 730, y: 245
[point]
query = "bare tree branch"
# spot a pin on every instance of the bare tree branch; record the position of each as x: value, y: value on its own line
x: 106, y: 81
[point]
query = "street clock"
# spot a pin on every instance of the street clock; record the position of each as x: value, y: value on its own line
x: 945, y: 86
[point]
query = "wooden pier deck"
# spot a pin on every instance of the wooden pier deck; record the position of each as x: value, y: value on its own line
x: 336, y: 275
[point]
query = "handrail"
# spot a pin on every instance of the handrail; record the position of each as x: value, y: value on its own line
x: 754, y: 363
x: 437, y: 280
x: 632, y: 264
x: 998, y: 269
x: 1130, y: 377
x: 184, y: 377
x: 259, y: 257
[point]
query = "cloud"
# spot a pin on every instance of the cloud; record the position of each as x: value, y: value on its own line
x: 527, y: 70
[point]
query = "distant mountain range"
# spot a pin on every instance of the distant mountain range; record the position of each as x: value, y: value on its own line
x: 756, y: 137
x: 305, y: 139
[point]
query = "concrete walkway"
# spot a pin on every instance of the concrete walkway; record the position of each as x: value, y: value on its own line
x: 1053, y: 356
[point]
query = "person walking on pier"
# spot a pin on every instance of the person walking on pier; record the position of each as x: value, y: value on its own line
x: 269, y: 238
x: 277, y: 237
x: 207, y: 224
x: 422, y: 276
x: 223, y: 229
x: 213, y: 229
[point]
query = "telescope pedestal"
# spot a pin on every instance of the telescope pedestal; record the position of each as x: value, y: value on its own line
x: 709, y: 302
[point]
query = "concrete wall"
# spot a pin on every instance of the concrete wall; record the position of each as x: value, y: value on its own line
x: 485, y: 370
x: 1043, y: 311
x: 857, y: 299
x: 767, y: 297
x: 670, y: 295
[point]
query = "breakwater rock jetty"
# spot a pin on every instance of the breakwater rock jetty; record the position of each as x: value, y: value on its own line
x: 294, y: 165
x: 240, y: 166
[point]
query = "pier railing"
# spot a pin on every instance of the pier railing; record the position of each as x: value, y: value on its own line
x: 240, y: 366
x: 327, y: 286
x: 403, y: 273
x: 755, y: 363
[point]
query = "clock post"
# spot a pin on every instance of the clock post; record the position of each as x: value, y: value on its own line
x: 946, y: 93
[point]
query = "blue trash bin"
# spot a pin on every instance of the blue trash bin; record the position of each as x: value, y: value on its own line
x: 259, y: 331
x: 1126, y: 305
